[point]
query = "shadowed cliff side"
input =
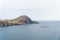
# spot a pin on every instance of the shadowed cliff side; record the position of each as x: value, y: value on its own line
x: 17, y: 21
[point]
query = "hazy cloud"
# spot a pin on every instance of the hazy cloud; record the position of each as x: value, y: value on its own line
x: 36, y: 9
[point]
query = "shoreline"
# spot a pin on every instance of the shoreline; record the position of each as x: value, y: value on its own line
x: 17, y: 21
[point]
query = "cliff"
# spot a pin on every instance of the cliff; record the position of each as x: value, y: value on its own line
x: 17, y: 21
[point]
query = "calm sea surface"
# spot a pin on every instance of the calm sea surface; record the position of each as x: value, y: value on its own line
x: 46, y: 30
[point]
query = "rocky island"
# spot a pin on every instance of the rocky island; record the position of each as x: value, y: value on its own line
x: 17, y: 21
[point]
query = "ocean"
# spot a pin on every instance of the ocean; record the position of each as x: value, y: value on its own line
x: 45, y: 30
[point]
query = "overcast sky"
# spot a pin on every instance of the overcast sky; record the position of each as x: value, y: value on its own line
x: 35, y: 9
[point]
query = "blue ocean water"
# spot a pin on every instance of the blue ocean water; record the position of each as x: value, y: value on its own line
x: 46, y: 30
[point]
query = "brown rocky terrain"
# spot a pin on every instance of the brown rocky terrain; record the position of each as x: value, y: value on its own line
x: 17, y: 21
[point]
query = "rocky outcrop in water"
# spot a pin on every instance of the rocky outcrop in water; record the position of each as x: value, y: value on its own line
x: 17, y: 21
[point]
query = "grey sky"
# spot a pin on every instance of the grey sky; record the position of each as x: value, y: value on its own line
x: 35, y: 9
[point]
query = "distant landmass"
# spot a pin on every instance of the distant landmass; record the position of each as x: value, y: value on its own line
x: 18, y: 21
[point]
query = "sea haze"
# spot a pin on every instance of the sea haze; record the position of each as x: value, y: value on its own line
x: 45, y: 30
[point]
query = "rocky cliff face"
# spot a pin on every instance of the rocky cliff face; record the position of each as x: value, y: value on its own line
x: 17, y: 21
